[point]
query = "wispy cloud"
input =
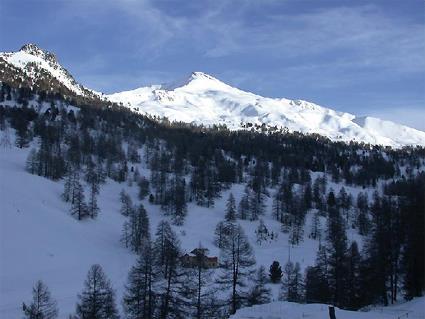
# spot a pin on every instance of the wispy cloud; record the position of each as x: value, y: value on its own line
x: 339, y: 53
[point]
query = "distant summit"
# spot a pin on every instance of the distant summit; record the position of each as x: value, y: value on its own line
x: 37, y: 68
x: 35, y: 50
x: 203, y: 99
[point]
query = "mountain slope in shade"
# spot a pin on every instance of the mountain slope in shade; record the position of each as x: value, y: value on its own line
x: 40, y: 68
x: 203, y: 99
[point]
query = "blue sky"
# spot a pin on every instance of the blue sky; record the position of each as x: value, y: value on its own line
x: 363, y: 57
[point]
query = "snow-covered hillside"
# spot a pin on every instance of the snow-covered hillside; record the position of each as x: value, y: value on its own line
x: 203, y: 99
x: 40, y: 239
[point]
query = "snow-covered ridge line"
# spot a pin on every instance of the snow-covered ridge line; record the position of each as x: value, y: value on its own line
x: 203, y: 99
x: 33, y: 61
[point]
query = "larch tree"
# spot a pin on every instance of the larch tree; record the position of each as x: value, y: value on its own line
x: 237, y: 260
x: 42, y: 305
x: 97, y: 300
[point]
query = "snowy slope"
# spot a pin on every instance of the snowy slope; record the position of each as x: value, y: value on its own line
x: 203, y: 99
x: 36, y: 63
x: 40, y: 240
x: 414, y: 309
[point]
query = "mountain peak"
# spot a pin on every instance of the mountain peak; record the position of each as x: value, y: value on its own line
x: 35, y: 50
x: 197, y: 80
x: 201, y: 75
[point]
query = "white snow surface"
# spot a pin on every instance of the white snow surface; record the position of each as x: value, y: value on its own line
x: 203, y: 99
x: 414, y: 309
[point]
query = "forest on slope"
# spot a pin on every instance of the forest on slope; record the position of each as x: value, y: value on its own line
x: 313, y: 188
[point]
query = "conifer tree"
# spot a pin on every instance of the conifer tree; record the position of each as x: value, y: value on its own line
x: 337, y: 249
x: 201, y: 294
x: 97, y: 300
x: 275, y: 272
x: 237, y: 260
x: 291, y: 289
x: 261, y: 232
x: 139, y: 298
x: 136, y: 230
x: 244, y: 205
x: 127, y: 207
x: 316, y: 279
x: 230, y: 215
x: 363, y: 222
x: 220, y: 234
x: 353, y: 291
x: 171, y: 291
x: 259, y: 293
x: 315, y: 232
x: 42, y: 305
x: 78, y: 205
x: 32, y: 163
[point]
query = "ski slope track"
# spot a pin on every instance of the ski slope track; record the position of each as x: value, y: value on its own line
x: 203, y: 99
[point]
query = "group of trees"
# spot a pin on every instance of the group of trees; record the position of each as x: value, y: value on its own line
x: 390, y: 263
x: 158, y: 286
x: 96, y: 301
x: 191, y: 163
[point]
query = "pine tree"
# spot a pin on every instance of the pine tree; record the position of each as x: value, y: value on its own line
x: 127, y: 207
x: 337, y: 249
x: 97, y: 300
x: 143, y: 184
x: 261, y: 232
x: 92, y: 207
x: 277, y: 208
x: 363, y: 222
x: 171, y: 291
x: 353, y: 290
x: 42, y: 305
x: 291, y: 289
x: 244, y: 205
x: 344, y: 201
x: 32, y: 163
x: 315, y: 232
x: 179, y: 201
x: 201, y: 294
x: 275, y: 272
x: 220, y: 233
x: 68, y: 185
x: 93, y: 182
x: 237, y: 261
x: 230, y: 215
x: 136, y: 230
x: 256, y: 205
x: 78, y: 205
x: 139, y: 298
x: 259, y: 293
x: 316, y: 279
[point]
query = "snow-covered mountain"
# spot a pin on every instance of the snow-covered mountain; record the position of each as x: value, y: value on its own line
x: 203, y: 99
x: 39, y: 68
